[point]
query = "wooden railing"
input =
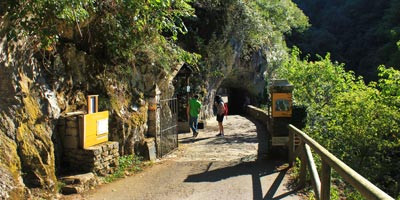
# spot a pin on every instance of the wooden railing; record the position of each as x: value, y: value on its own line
x: 322, y: 185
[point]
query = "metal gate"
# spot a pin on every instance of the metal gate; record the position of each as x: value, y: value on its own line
x: 168, y: 126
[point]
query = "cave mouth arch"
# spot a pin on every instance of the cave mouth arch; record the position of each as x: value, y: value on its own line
x: 237, y: 99
x: 243, y: 86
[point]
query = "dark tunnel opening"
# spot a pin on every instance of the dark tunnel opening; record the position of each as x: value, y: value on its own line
x: 237, y: 99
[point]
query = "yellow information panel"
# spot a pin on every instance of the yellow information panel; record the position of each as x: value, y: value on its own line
x: 281, y: 104
x: 95, y: 129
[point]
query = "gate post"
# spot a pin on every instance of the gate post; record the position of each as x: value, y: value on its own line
x: 153, y: 123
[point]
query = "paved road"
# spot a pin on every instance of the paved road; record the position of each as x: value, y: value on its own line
x: 209, y: 167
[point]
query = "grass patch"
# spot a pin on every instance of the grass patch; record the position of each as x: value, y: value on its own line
x: 60, y: 185
x: 127, y: 164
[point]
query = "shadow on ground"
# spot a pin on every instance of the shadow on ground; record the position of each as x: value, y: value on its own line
x: 237, y: 138
x: 257, y: 169
x: 227, y: 139
x: 191, y: 139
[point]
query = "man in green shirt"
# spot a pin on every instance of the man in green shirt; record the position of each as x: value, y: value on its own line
x: 193, y: 110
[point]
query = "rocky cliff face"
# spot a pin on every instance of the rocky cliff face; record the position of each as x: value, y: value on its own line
x: 28, y: 109
x: 225, y: 33
x: 247, y: 77
x: 38, y: 87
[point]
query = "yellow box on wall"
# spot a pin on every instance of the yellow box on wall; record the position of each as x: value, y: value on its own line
x: 94, y: 129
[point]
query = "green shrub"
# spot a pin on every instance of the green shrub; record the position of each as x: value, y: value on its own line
x: 127, y: 163
x: 358, y: 123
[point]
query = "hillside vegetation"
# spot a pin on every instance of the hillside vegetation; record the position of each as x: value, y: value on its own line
x: 359, y: 123
x: 362, y: 34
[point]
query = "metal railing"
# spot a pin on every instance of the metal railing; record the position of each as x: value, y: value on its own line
x: 168, y: 126
x: 322, y: 185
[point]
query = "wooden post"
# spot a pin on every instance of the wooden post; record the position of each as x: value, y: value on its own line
x: 291, y: 148
x: 325, y: 181
x: 366, y: 188
x: 303, y: 166
x: 92, y: 104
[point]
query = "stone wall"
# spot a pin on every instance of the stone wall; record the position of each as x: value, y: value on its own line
x: 258, y: 114
x: 101, y: 159
x: 277, y: 126
x: 277, y: 129
x: 68, y: 128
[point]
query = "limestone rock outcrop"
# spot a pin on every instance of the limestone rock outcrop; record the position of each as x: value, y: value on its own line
x: 27, y: 112
x: 35, y: 93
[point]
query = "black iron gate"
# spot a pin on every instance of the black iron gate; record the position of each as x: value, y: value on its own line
x: 168, y: 126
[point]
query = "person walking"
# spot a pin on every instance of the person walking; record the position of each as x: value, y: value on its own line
x: 193, y: 111
x: 219, y: 104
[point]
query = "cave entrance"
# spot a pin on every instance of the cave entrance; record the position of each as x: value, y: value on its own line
x: 237, y: 99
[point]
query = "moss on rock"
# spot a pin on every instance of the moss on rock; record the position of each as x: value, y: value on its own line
x: 34, y: 145
x: 10, y: 170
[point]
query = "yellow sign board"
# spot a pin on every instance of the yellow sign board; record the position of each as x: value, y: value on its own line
x: 94, y: 129
x: 281, y: 104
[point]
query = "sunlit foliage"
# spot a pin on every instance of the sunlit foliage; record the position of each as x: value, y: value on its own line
x: 226, y: 30
x: 120, y: 31
x: 359, y: 123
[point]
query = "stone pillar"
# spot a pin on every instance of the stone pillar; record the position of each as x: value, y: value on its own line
x: 101, y: 159
x: 153, y: 123
x: 70, y: 131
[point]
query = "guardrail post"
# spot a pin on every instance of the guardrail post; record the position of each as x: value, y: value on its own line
x: 303, y: 165
x: 291, y: 148
x: 325, y: 181
x: 361, y: 184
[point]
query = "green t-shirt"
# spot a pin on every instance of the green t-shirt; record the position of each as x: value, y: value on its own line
x: 195, y: 106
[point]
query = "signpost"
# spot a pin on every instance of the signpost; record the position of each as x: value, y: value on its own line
x: 281, y: 113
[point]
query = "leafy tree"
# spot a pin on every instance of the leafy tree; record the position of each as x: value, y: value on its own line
x: 40, y: 18
x: 120, y: 31
x: 358, y: 123
x: 225, y: 29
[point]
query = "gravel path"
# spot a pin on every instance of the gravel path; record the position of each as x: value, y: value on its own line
x: 208, y: 167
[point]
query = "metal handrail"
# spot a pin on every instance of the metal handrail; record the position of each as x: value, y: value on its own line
x: 322, y: 187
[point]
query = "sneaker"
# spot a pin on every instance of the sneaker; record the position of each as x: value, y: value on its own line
x: 220, y: 135
x: 195, y: 134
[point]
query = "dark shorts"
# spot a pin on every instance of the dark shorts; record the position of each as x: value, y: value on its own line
x: 220, y: 118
